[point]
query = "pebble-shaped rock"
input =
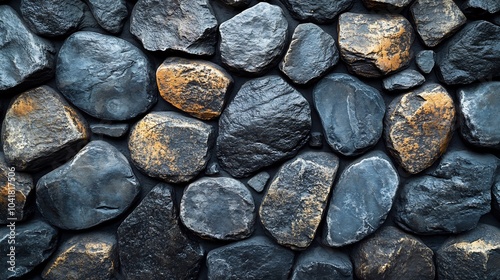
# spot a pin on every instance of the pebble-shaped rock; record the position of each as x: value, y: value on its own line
x: 389, y: 5
x: 110, y: 14
x: 361, y: 200
x: 253, y: 40
x: 97, y: 185
x: 266, y: 122
x: 311, y: 54
x: 406, y: 79
x: 374, y: 45
x: 196, y: 87
x: 425, y: 60
x: 419, y: 126
x: 322, y: 263
x: 351, y: 113
x: 259, y: 181
x: 170, y: 146
x: 151, y: 243
x: 451, y: 198
x: 187, y: 26
x: 105, y: 76
x: 110, y: 130
x: 479, y: 8
x: 218, y: 208
x: 293, y: 205
x: 40, y: 128
x: 319, y: 11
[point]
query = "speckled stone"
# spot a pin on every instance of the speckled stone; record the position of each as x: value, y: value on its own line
x: 319, y: 11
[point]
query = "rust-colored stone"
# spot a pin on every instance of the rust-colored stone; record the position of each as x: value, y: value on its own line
x: 194, y: 86
x: 419, y: 126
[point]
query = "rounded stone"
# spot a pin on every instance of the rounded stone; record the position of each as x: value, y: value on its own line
x: 110, y: 14
x: 425, y: 60
x: 390, y: 5
x: 404, y: 80
x: 319, y: 11
x: 322, y: 263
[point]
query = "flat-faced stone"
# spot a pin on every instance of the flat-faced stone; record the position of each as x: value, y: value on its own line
x: 471, y: 255
x: 451, y: 198
x: 170, y: 146
x: 374, y: 45
x: 110, y: 14
x: 419, y: 126
x: 34, y: 241
x: 25, y: 58
x: 425, y: 60
x: 105, y: 76
x: 40, y: 128
x: 406, y: 79
x: 259, y: 181
x: 254, y: 258
x: 393, y: 254
x: 212, y: 169
x: 351, y: 113
x: 390, y: 5
x: 91, y: 256
x: 266, y: 122
x: 472, y: 54
x: 111, y: 130
x: 322, y: 263
x: 152, y: 235
x: 253, y: 40
x: 479, y: 8
x: 311, y: 54
x: 187, y: 26
x: 293, y: 205
x: 360, y: 200
x: 320, y: 11
x: 196, y: 87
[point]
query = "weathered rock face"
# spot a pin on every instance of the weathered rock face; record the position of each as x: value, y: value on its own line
x: 393, y: 254
x: 472, y: 255
x: 259, y: 181
x: 151, y: 234
x: 351, y: 113
x: 479, y: 8
x: 296, y: 198
x: 320, y: 11
x: 40, y: 128
x: 390, y: 5
x: 254, y: 258
x: 450, y: 199
x: 419, y: 126
x: 253, y: 40
x: 170, y: 146
x: 425, y: 60
x: 105, y: 76
x: 191, y: 26
x: 406, y: 79
x: 196, y: 87
x: 97, y: 185
x: 374, y: 45
x: 218, y: 208
x: 25, y: 59
x: 266, y: 122
x: 111, y: 130
x: 110, y: 14
x: 322, y: 263
x: 361, y: 200
x: 236, y: 3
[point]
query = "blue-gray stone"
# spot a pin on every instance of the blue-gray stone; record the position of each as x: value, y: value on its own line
x: 425, y: 60
x: 110, y: 14
x: 321, y: 263
x: 319, y: 11
x: 406, y: 79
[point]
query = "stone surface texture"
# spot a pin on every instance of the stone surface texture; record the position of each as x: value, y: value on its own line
x: 110, y: 130
x: 404, y: 80
x: 322, y: 263
x: 110, y: 14
x: 425, y: 60
x: 319, y: 11
x: 390, y: 5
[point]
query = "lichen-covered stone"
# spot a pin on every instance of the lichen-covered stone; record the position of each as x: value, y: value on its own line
x: 320, y: 11
x: 406, y: 79
x: 259, y: 181
x: 390, y: 5
x: 419, y: 126
x: 374, y: 45
x: 170, y: 146
x: 196, y: 87
x: 110, y: 14
x: 293, y: 205
x: 425, y: 60
x: 322, y: 263
x: 111, y: 130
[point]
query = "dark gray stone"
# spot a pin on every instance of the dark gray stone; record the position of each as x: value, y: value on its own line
x: 254, y: 258
x: 479, y: 8
x: 110, y: 14
x: 310, y: 55
x: 406, y: 79
x: 259, y: 181
x: 425, y: 60
x: 319, y: 11
x: 394, y: 6
x: 471, y: 255
x: 495, y: 195
x: 97, y: 185
x: 237, y: 3
x: 450, y: 199
x: 187, y: 26
x: 35, y: 241
x: 316, y: 140
x: 244, y: 49
x: 479, y: 105
x: 322, y: 263
x: 25, y: 59
x: 472, y: 54
x: 266, y: 122
x: 213, y: 168
x: 111, y: 130
x: 151, y: 234
x: 351, y: 113
x: 105, y: 76
x: 361, y: 199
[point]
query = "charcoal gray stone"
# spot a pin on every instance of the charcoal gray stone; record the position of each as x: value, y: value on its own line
x: 310, y: 55
x: 237, y: 3
x: 151, y: 234
x: 316, y: 140
x: 351, y: 113
x: 105, y: 76
x: 479, y: 8
x: 394, y: 6
x: 25, y: 59
x: 259, y: 181
x: 213, y: 168
x: 425, y: 60
x: 406, y: 79
x: 266, y: 122
x: 479, y: 105
x: 254, y: 258
x: 495, y: 196
x: 361, y: 200
x: 110, y: 14
x: 111, y: 130
x: 322, y: 263
x: 472, y: 54
x: 450, y: 199
x: 243, y: 49
x: 97, y: 185
x: 187, y: 26
x: 35, y: 241
x: 319, y: 11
